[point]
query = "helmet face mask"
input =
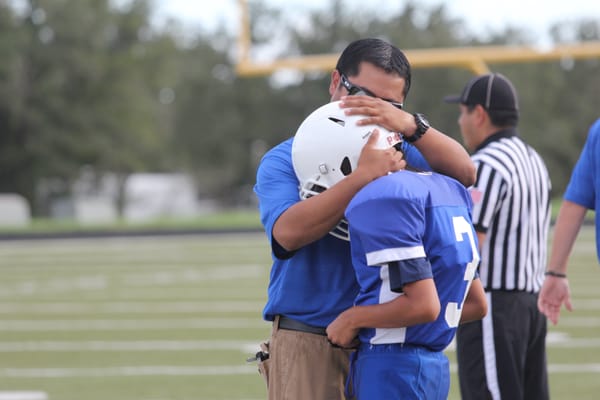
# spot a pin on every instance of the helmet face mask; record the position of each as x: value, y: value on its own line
x: 326, y: 149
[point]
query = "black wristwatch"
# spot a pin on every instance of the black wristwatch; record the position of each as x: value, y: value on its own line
x: 422, y: 126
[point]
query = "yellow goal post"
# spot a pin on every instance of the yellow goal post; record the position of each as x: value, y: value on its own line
x: 475, y: 59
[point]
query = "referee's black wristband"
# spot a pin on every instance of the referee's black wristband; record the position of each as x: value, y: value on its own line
x: 555, y: 274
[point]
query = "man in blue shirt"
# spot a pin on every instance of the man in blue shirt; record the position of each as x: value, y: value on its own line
x: 582, y: 194
x: 311, y: 279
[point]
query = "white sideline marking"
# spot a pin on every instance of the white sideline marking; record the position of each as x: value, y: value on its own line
x: 127, y: 307
x: 560, y: 368
x: 157, y: 370
x: 553, y: 340
x: 148, y: 278
x: 187, y: 276
x: 121, y: 346
x: 207, y: 370
x: 131, y: 324
x: 124, y: 243
x: 23, y: 395
x: 586, y: 304
x: 582, y: 322
x: 573, y: 368
x: 564, y: 340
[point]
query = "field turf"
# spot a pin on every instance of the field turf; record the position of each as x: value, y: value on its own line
x: 174, y: 318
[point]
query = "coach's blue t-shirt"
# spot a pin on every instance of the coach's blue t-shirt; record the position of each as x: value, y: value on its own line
x: 584, y: 185
x: 406, y: 227
x: 317, y: 282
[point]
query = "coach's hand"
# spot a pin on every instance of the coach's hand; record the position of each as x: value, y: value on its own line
x: 377, y: 112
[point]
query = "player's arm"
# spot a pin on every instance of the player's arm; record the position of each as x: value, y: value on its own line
x: 418, y: 304
x: 311, y: 219
x: 475, y: 305
x: 443, y: 154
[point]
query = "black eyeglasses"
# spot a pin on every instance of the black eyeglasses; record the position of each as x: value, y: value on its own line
x: 354, y: 90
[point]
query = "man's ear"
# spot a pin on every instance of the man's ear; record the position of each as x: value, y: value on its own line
x: 335, y: 82
x: 481, y: 113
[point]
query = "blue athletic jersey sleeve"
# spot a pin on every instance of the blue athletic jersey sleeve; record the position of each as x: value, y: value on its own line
x: 584, y: 185
x: 405, y: 227
x: 413, y: 157
x: 315, y: 283
x: 276, y: 185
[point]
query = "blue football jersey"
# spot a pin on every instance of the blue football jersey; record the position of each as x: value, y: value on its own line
x: 409, y: 226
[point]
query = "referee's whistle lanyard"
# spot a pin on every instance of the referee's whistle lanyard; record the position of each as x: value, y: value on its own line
x: 349, y: 387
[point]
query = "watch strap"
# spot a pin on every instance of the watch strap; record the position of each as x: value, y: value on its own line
x: 422, y: 127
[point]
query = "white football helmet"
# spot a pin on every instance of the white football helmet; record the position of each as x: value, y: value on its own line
x: 326, y: 148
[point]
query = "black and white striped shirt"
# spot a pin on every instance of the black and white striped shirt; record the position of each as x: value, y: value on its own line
x: 511, y: 204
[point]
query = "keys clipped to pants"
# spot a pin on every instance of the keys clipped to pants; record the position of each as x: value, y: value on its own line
x: 262, y: 357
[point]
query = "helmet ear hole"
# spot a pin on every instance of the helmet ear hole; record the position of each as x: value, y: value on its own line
x: 338, y: 121
x: 346, y: 167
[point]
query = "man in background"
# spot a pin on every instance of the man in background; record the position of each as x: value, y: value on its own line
x: 582, y: 194
x: 503, y: 356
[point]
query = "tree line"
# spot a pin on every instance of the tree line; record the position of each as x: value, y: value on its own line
x: 86, y: 85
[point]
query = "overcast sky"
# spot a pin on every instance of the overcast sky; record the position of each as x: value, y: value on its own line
x: 480, y: 15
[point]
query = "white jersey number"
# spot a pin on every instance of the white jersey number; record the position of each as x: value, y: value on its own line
x: 461, y: 228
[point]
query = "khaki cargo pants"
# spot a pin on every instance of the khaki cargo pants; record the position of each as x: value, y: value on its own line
x: 304, y: 366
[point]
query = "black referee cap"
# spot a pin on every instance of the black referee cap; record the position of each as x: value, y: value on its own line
x: 492, y: 91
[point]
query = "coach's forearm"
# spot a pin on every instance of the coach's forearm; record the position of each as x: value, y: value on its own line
x: 311, y: 219
x: 446, y: 156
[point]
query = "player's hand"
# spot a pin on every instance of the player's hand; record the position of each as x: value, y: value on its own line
x: 340, y: 333
x: 377, y: 112
x: 374, y: 162
x: 554, y: 293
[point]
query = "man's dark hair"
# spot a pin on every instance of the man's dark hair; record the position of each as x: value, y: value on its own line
x: 377, y: 52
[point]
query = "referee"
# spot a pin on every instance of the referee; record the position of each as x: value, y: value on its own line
x: 503, y: 356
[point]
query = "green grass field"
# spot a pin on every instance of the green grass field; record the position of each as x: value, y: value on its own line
x: 174, y: 318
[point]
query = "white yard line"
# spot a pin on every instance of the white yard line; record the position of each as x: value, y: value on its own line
x: 130, y: 307
x: 131, y: 324
x: 205, y: 370
x: 129, y: 346
x: 23, y: 395
x: 125, y: 244
x: 553, y: 341
x: 155, y: 370
x: 560, y: 368
x: 139, y: 279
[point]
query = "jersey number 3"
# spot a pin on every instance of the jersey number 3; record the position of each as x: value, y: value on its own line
x: 461, y: 228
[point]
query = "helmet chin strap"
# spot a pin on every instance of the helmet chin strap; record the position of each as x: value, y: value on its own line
x: 341, y: 231
x: 310, y: 188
